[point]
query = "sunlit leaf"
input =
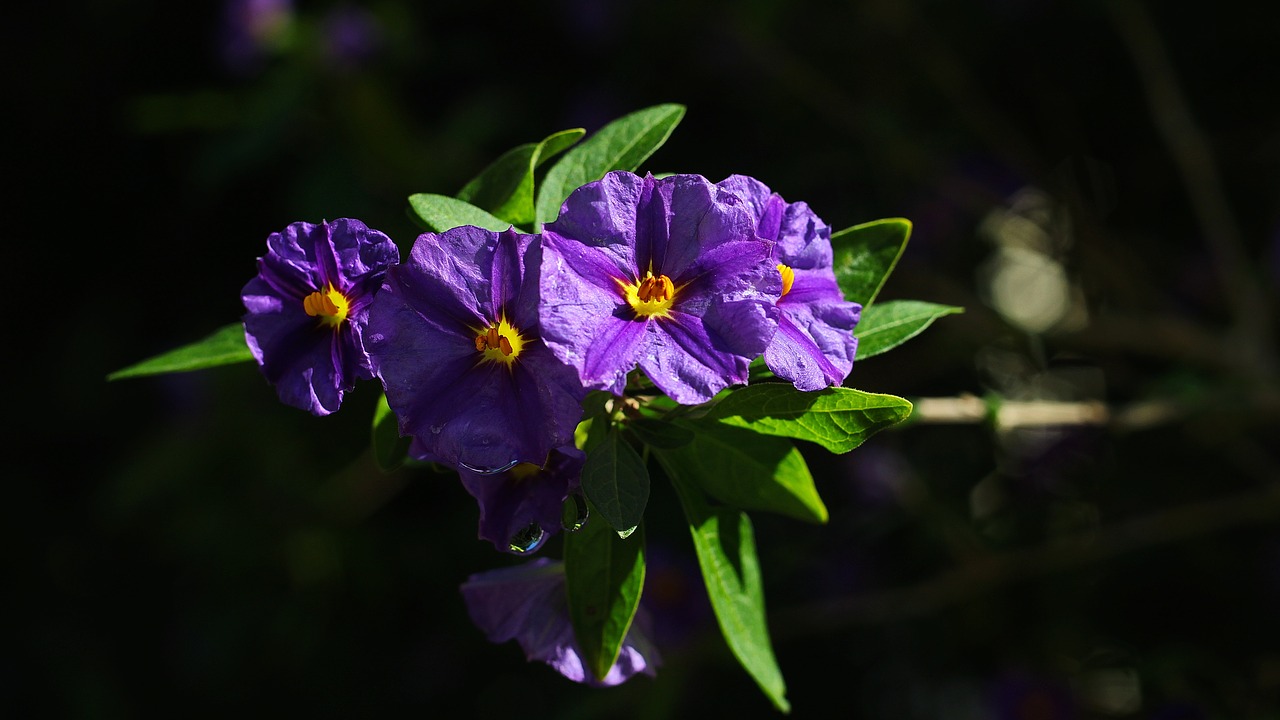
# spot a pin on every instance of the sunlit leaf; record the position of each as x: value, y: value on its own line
x: 747, y: 470
x: 866, y: 254
x: 437, y: 213
x: 505, y: 187
x: 887, y: 325
x: 224, y: 346
x: 724, y: 541
x: 604, y: 576
x: 838, y: 418
x: 620, y: 145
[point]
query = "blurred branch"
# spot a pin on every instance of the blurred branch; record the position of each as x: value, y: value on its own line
x: 1010, y: 414
x: 984, y: 574
x: 1194, y: 159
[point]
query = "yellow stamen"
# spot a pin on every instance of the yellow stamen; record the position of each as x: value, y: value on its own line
x: 501, y: 342
x: 651, y: 296
x: 788, y: 277
x: 329, y: 305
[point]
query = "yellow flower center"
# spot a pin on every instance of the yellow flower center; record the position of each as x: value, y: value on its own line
x: 788, y: 277
x: 651, y: 296
x: 500, y: 343
x: 329, y: 305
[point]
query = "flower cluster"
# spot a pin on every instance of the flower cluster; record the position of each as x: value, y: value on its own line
x: 487, y: 343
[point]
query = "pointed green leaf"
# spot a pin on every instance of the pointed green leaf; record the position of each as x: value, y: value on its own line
x: 889, y: 324
x: 505, y: 187
x: 620, y: 145
x: 437, y: 213
x: 498, y: 184
x: 724, y: 542
x: 389, y: 448
x: 748, y: 470
x: 616, y: 481
x: 604, y: 576
x: 837, y: 418
x: 556, y: 143
x: 864, y: 255
x: 224, y: 346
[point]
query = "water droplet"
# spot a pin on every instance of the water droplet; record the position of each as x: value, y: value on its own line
x: 528, y: 540
x: 575, y: 513
x: 489, y: 471
x: 436, y: 429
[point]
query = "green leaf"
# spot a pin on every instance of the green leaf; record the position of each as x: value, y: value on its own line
x: 620, y: 145
x: 556, y: 143
x: 437, y: 213
x: 604, y: 577
x: 224, y: 346
x: 889, y: 324
x: 748, y: 470
x: 505, y: 187
x: 659, y: 433
x: 837, y: 418
x: 389, y: 448
x: 864, y: 255
x: 616, y: 481
x: 724, y: 542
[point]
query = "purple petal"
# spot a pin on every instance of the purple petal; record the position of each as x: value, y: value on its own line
x: 527, y: 603
x: 584, y: 320
x: 687, y: 364
x: 814, y: 346
x: 602, y: 214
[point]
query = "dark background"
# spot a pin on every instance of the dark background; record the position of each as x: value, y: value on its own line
x: 186, y: 546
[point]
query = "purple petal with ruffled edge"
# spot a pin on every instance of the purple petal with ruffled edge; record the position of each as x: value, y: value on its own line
x: 527, y: 603
x: 469, y: 412
x: 815, y: 346
x: 512, y: 501
x: 608, y: 235
x: 311, y: 364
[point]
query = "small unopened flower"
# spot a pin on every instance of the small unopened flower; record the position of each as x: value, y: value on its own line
x: 527, y: 603
x: 814, y: 346
x: 665, y: 274
x: 455, y: 338
x: 307, y: 307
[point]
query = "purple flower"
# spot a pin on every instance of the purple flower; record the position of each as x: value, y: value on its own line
x: 814, y: 346
x: 308, y: 306
x: 521, y: 507
x: 667, y: 274
x: 454, y: 336
x: 527, y: 603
